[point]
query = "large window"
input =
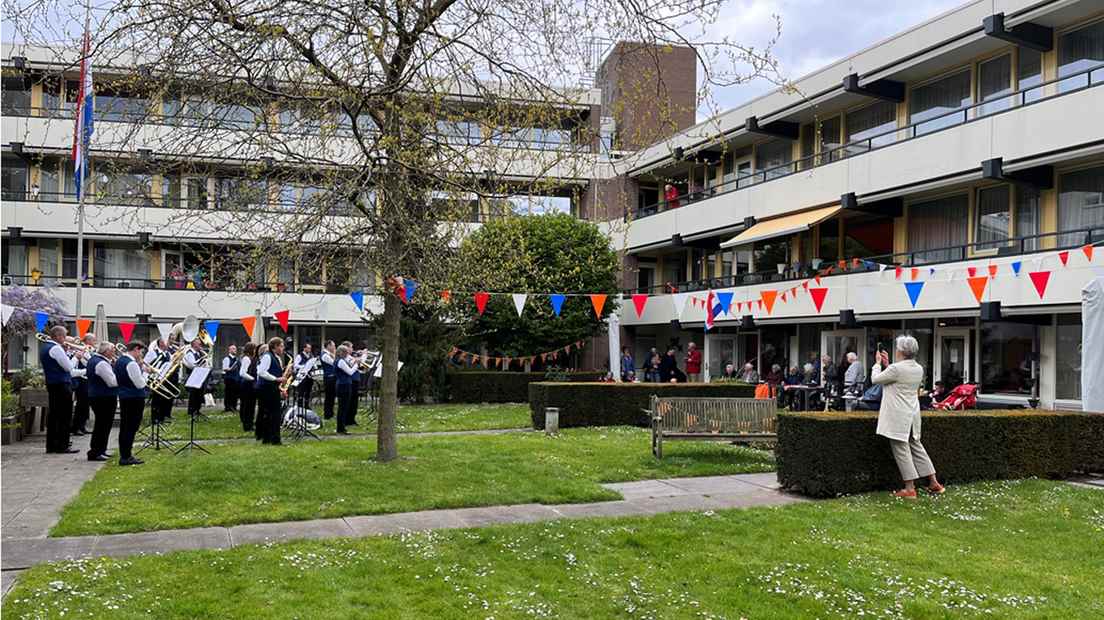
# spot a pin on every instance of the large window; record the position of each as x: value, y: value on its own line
x: 121, y: 265
x: 1006, y: 358
x: 1068, y: 358
x: 240, y: 193
x: 1027, y: 216
x: 868, y: 122
x: 69, y: 258
x: 932, y: 100
x: 16, y: 96
x: 13, y: 171
x: 995, y: 84
x: 935, y: 227
x: 1080, y: 50
x: 828, y: 249
x: 1029, y: 72
x: 867, y: 235
x: 1080, y: 205
x: 131, y: 187
x: 993, y: 215
x: 830, y: 140
x: 114, y: 103
x: 769, y: 254
x: 771, y: 159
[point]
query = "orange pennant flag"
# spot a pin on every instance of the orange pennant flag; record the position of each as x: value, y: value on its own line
x: 992, y: 271
x: 915, y: 273
x: 82, y: 327
x: 768, y: 298
x: 248, y: 322
x: 1088, y: 250
x: 977, y: 285
x: 598, y: 300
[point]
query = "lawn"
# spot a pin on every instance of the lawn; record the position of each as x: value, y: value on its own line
x: 1017, y: 549
x: 248, y: 482
x: 411, y: 419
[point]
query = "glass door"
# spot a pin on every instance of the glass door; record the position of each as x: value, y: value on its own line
x: 952, y: 358
x: 836, y: 344
x: 748, y: 351
x: 172, y: 269
x: 720, y: 351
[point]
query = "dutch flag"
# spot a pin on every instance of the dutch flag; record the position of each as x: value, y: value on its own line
x: 82, y: 127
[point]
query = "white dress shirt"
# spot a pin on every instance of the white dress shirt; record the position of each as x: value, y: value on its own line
x: 59, y: 356
x: 327, y: 358
x: 227, y: 362
x: 243, y: 368
x: 134, y: 371
x: 190, y: 359
x: 105, y: 371
x: 345, y: 367
x: 263, y: 366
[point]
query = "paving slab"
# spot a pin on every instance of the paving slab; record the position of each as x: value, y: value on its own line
x: 257, y: 533
x: 646, y: 488
x: 767, y: 480
x: 163, y: 541
x: 380, y: 525
x: 8, y: 579
x: 714, y: 484
x: 752, y: 500
x: 497, y: 515
x: 620, y: 508
x: 28, y: 552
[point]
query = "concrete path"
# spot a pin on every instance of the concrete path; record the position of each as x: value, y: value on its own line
x: 37, y: 485
x: 646, y: 497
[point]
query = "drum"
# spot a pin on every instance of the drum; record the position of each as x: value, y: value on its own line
x: 296, y: 416
x: 317, y: 374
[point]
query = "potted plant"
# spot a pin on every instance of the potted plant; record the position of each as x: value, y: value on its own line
x: 11, y: 428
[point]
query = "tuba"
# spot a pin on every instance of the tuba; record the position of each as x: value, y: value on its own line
x: 186, y: 331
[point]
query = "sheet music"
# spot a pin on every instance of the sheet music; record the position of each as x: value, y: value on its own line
x: 198, y: 377
x: 379, y: 370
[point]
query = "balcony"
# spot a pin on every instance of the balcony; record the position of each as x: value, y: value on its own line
x: 1020, y: 125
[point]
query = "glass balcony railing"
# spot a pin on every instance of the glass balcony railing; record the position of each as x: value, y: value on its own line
x: 184, y: 283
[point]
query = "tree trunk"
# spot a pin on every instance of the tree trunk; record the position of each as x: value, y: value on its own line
x: 387, y: 448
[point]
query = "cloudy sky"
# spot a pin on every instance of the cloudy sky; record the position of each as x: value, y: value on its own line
x: 814, y: 32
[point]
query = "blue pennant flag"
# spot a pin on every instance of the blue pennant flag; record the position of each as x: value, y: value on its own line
x: 724, y: 300
x: 1016, y: 267
x: 41, y: 318
x: 914, y: 289
x: 557, y: 303
x: 358, y: 299
x: 931, y: 271
x: 212, y: 329
x: 410, y: 287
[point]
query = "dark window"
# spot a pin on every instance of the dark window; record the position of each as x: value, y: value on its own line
x: 16, y: 98
x: 1080, y: 50
x: 1081, y: 205
x: 871, y: 126
x: 1029, y: 72
x: 929, y: 103
x: 13, y: 170
x: 995, y: 84
x: 1005, y: 360
x: 830, y: 140
x: 993, y: 217
x: 771, y: 159
x: 938, y: 226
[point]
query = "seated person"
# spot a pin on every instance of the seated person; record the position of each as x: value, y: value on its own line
x: 793, y: 377
x: 729, y: 372
x: 774, y: 377
x: 748, y: 375
x: 810, y: 375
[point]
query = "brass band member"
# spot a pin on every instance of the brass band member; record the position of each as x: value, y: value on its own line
x: 80, y: 388
x: 258, y: 421
x: 160, y: 407
x: 329, y: 378
x: 132, y: 399
x: 247, y: 397
x: 270, y: 370
x: 304, y: 362
x: 102, y: 392
x: 193, y: 358
x: 354, y: 361
x: 59, y: 372
x: 345, y: 370
x: 230, y: 379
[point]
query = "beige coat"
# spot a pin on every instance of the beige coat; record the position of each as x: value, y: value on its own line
x: 900, y: 411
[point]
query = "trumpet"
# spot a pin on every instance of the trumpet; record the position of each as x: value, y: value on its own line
x: 367, y: 360
x: 71, y: 343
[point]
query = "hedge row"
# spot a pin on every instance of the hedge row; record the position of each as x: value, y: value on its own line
x: 831, y: 454
x: 615, y: 404
x: 489, y: 386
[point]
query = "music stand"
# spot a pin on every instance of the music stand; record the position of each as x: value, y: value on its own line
x: 197, y: 380
x: 298, y: 428
x: 153, y: 436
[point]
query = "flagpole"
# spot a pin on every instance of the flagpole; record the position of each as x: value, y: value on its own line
x: 85, y: 50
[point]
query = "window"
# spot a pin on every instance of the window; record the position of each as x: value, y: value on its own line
x: 828, y: 232
x: 197, y: 193
x: 928, y: 103
x: 993, y: 217
x: 995, y: 84
x: 769, y: 156
x: 14, y: 258
x: 935, y: 227
x: 769, y: 254
x: 129, y: 187
x: 1080, y: 50
x: 808, y: 142
x: 1029, y: 71
x: 69, y: 258
x: 1080, y: 205
x: 48, y: 260
x: 1005, y: 359
x: 116, y: 263
x: 49, y: 180
x: 867, y: 127
x: 867, y: 235
x: 172, y: 190
x: 1068, y: 358
x: 238, y: 193
x: 16, y: 97
x: 1027, y: 217
x: 830, y: 140
x: 115, y: 104
x: 13, y: 172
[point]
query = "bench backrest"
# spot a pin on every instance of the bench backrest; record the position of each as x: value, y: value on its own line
x: 715, y: 415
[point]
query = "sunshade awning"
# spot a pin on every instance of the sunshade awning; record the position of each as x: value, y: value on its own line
x: 780, y: 226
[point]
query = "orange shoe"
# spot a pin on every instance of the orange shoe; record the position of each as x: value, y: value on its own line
x: 936, y: 488
x: 905, y: 494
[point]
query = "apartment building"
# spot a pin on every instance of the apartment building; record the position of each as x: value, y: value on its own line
x: 969, y: 143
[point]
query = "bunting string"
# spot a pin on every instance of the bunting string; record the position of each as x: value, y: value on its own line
x: 499, y: 361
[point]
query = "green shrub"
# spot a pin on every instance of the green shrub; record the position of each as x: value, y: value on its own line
x: 9, y: 399
x: 830, y: 454
x: 616, y: 404
x: 491, y: 386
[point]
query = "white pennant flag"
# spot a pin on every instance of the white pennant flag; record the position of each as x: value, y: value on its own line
x: 519, y: 301
x: 679, y: 300
x: 881, y: 268
x: 165, y: 329
x: 7, y: 311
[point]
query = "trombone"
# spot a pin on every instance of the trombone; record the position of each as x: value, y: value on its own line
x: 71, y: 343
x: 187, y: 331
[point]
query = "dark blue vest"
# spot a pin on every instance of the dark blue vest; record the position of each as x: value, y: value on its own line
x: 343, y: 378
x: 275, y: 368
x: 327, y: 369
x: 97, y: 388
x: 127, y: 389
x: 55, y: 374
x: 231, y: 375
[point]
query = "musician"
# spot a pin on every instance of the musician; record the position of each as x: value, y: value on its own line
x: 161, y: 407
x: 329, y: 378
x: 59, y: 372
x: 80, y: 387
x: 304, y: 362
x: 193, y: 358
x: 270, y: 371
x: 230, y: 379
x: 354, y: 361
x: 102, y: 392
x: 132, y: 399
x: 345, y: 369
x: 247, y: 397
x: 258, y: 421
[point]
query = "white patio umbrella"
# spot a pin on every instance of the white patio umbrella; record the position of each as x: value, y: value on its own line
x: 258, y: 328
x: 99, y: 329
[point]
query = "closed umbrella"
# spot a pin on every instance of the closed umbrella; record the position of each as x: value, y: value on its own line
x: 99, y: 330
x: 258, y: 328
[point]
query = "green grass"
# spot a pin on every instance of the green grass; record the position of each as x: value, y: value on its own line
x: 1027, y: 549
x: 411, y: 419
x: 249, y: 483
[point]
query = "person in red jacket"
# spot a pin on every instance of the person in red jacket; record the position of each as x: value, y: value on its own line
x: 671, y: 196
x: 693, y: 363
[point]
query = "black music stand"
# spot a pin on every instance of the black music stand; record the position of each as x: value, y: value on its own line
x: 153, y: 436
x: 192, y: 444
x: 298, y: 428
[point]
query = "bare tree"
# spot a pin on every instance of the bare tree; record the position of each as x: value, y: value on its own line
x: 403, y: 118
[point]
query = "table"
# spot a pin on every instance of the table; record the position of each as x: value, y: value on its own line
x: 803, y: 391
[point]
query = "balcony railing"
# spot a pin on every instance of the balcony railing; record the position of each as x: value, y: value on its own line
x: 184, y: 283
x: 792, y: 272
x: 1063, y: 86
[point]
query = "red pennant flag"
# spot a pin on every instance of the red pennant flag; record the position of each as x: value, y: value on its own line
x: 897, y: 272
x: 127, y: 330
x: 1088, y: 250
x: 248, y: 322
x: 793, y: 292
x: 977, y: 285
x: 283, y: 316
x: 760, y: 304
x: 818, y: 295
x: 446, y: 295
x: 768, y: 297
x: 817, y: 280
x: 639, y: 301
x: 1040, y: 279
x: 1064, y: 257
x: 783, y: 297
x: 992, y: 271
x: 481, y: 301
x: 82, y: 327
x: 805, y: 285
x: 598, y: 300
x: 915, y: 273
x: 739, y: 305
x: 972, y: 271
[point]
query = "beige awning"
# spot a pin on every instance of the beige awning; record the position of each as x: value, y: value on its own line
x: 780, y: 226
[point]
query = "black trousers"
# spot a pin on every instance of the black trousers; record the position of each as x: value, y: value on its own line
x: 104, y: 408
x: 303, y: 392
x: 345, y: 403
x: 354, y: 404
x: 230, y: 394
x: 330, y: 388
x: 130, y: 418
x: 195, y: 400
x: 80, y: 409
x: 59, y: 416
x: 247, y: 406
x: 269, y: 400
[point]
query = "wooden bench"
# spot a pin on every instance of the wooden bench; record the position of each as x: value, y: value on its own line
x: 735, y: 420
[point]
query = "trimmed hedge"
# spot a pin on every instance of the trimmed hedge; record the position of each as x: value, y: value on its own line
x: 616, y: 404
x: 489, y: 386
x: 831, y: 454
